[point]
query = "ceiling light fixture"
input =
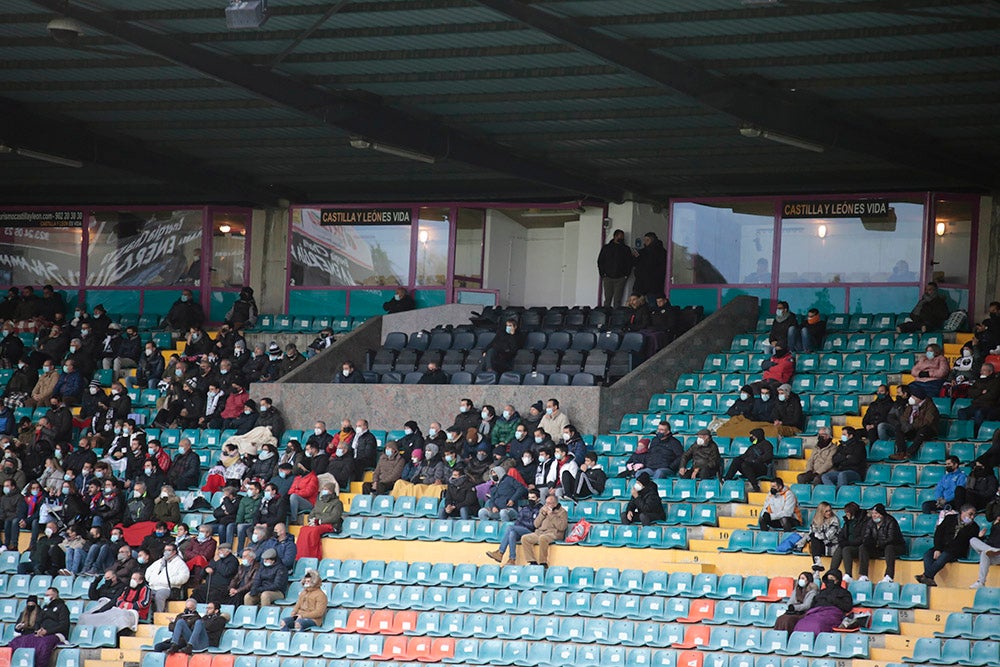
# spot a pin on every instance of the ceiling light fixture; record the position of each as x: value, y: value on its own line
x: 821, y: 231
x: 44, y: 157
x: 940, y: 228
x: 753, y: 132
x: 225, y: 229
x: 364, y: 144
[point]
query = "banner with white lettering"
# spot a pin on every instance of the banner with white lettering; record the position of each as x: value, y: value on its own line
x: 145, y: 248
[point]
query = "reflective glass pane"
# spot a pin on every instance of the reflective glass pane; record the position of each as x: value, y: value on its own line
x: 722, y: 242
x: 469, y: 247
x: 344, y: 255
x: 853, y: 250
x: 229, y: 249
x: 145, y: 248
x: 433, y: 231
x: 952, y: 241
x: 38, y: 256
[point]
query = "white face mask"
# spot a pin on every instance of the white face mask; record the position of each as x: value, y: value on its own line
x: 565, y: 437
x: 966, y: 352
x: 265, y: 455
x: 803, y: 582
x: 701, y: 441
x: 408, y: 431
x: 506, y: 414
x: 346, y: 372
x: 526, y: 460
x: 318, y: 431
x: 432, y: 432
x: 639, y: 486
x: 463, y: 409
x: 912, y: 400
x: 782, y: 397
x: 744, y: 396
x: 548, y: 411
x: 484, y: 414
x: 765, y: 397
x: 779, y: 312
x: 930, y: 354
x: 843, y: 437
x: 520, y: 435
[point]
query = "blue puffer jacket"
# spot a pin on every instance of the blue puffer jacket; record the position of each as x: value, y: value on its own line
x: 274, y: 578
x: 526, y: 516
x: 506, y: 490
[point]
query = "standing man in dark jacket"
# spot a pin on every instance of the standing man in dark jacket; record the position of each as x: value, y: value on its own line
x: 951, y: 542
x: 850, y: 460
x: 645, y: 506
x: 365, y: 448
x: 614, y: 264
x: 185, y: 313
x: 650, y: 267
x: 754, y: 462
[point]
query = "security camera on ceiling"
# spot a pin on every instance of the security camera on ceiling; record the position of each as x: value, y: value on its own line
x: 64, y: 30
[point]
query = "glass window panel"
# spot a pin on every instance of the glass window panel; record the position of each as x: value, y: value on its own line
x: 469, y: 247
x: 722, y: 242
x: 952, y: 241
x: 229, y: 249
x: 433, y: 231
x: 344, y: 255
x: 38, y: 256
x: 852, y: 250
x: 145, y: 248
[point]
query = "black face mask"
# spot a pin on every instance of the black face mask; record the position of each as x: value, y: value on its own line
x: 774, y: 491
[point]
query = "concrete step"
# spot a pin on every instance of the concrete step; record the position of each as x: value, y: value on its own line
x: 145, y: 630
x: 731, y: 523
x: 879, y: 657
x: 134, y: 643
x: 705, y: 546
x: 102, y: 663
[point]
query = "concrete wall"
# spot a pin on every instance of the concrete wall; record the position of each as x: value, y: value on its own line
x: 505, y: 257
x: 387, y: 406
x: 324, y: 366
x: 685, y: 355
x: 424, y: 319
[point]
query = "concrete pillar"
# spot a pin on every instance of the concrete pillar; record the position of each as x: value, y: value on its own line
x: 987, y: 255
x: 269, y: 257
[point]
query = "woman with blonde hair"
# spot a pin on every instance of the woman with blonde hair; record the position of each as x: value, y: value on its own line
x: 310, y: 608
x: 823, y: 535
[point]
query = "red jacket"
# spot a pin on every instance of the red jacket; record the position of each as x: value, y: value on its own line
x: 782, y: 369
x: 305, y: 486
x: 136, y: 598
x: 234, y: 405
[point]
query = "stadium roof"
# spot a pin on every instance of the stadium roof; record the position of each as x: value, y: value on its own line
x: 511, y: 99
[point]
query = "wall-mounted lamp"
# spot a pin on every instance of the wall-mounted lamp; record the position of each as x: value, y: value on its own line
x: 821, y: 231
x: 422, y: 236
x: 939, y: 228
x: 225, y: 229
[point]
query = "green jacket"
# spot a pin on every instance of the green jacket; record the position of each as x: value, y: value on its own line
x: 503, y: 430
x: 247, y: 509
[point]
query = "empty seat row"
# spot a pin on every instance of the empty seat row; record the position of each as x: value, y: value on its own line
x: 849, y: 321
x: 580, y: 379
x: 269, y: 323
x: 930, y: 650
x: 560, y: 341
x: 729, y: 383
x: 409, y: 364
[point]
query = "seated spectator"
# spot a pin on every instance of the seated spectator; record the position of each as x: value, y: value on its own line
x: 987, y: 333
x: 320, y: 436
x: 167, y: 506
x: 882, y: 539
x: 292, y: 360
x: 204, y: 633
x: 522, y: 525
x: 636, y: 461
x: 546, y: 471
x: 829, y: 606
x: 876, y: 418
x: 591, y: 480
x: 638, y: 319
x: 988, y: 550
x: 498, y: 356
x: 224, y: 524
x: 781, y: 508
x: 755, y: 461
x: 759, y: 415
x: 400, y: 302
x: 918, y: 423
x: 850, y: 460
x: 823, y: 537
x: 100, y: 551
x: 388, y: 470
x: 52, y: 629
x: 778, y: 370
x: 109, y: 586
x: 323, y: 340
x: 929, y: 314
x: 218, y: 575
x: 981, y: 486
x: 744, y: 405
x: 284, y: 543
x: 787, y: 414
x: 963, y: 371
x: 273, y: 507
x: 985, y: 395
x: 784, y: 320
x: 798, y: 603
x: 554, y: 420
x: 47, y: 556
x: 349, y: 375
x: 74, y: 548
x: 198, y: 553
x: 71, y: 383
x: 951, y: 542
x: 567, y: 469
x: 184, y: 471
x: 459, y: 500
x: 930, y: 370
x: 302, y: 495
x: 13, y: 508
x: 645, y: 506
x: 316, y: 460
x: 131, y: 606
x: 180, y: 635
x: 342, y: 465
x: 504, y: 497
x: 550, y: 526
x: 27, y: 622
x: 663, y: 459
x: 820, y: 460
x: 169, y: 572
x: 326, y: 517
x: 702, y: 460
x: 505, y: 426
x: 807, y: 337
x: 433, y: 375
x: 950, y: 489
x: 310, y: 607
x: 269, y: 582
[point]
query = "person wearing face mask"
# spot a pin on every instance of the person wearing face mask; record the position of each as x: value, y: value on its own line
x: 877, y: 414
x: 930, y: 370
x: 797, y: 603
x: 242, y: 580
x: 219, y: 575
x: 849, y: 539
x: 755, y: 461
x: 60, y: 418
x: 951, y: 542
x: 273, y: 507
x: 460, y: 499
x: 185, y: 469
x: 523, y: 524
x: 154, y: 543
x: 433, y: 375
x: 283, y: 478
x: 850, y: 460
x: 342, y: 465
x: 546, y: 471
x: 100, y: 552
x: 413, y: 437
x: 185, y: 313
x: 224, y: 523
x: 762, y: 410
x: 11, y: 346
x: 781, y: 509
x: 139, y: 507
x: 47, y: 557
x: 743, y: 407
x: 929, y: 314
x: 980, y: 486
x: 349, y: 374
x: 70, y: 384
x: 527, y: 467
x: 246, y: 513
x: 27, y: 622
x: 326, y: 517
x: 787, y: 415
x: 784, y: 321
x: 388, y: 470
x: 520, y: 442
x: 83, y: 354
x: 882, y: 539
x: 148, y: 369
x: 198, y: 552
x: 323, y: 340
x: 820, y: 460
x: 644, y: 506
x: 316, y: 461
x: 985, y: 395
x: 21, y: 382
x: 400, y: 302
x: 365, y: 449
x: 264, y: 467
x: 963, y: 372
x: 918, y: 423
x: 269, y: 583
x: 540, y: 440
x: 498, y: 355
x: 504, y: 497
x: 133, y: 605
x: 554, y: 420
x: 702, y: 460
x: 778, y: 369
x: 480, y: 462
x: 305, y: 486
x: 829, y: 606
x: 823, y: 536
x: 107, y: 510
x: 108, y: 586
x: 167, y: 506
x: 121, y: 352
x: 44, y: 386
x: 950, y: 489
x: 52, y: 629
x: 13, y: 511
x: 165, y: 574
x: 319, y: 436
x: 468, y: 416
